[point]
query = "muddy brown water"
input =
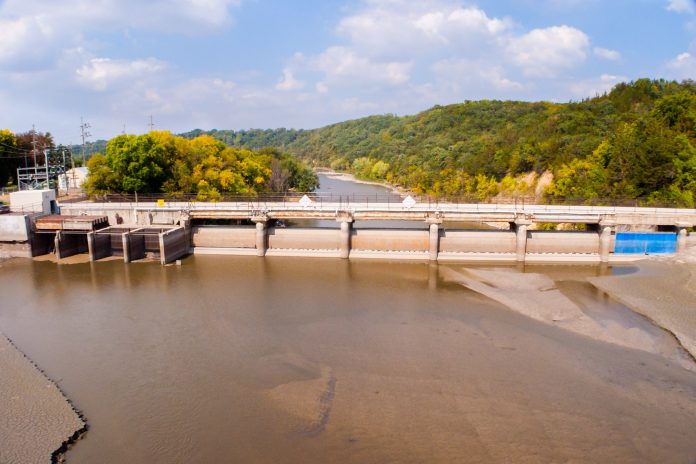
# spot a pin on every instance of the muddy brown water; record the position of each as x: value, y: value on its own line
x: 286, y: 360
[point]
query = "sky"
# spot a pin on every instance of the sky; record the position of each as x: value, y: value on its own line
x: 240, y: 64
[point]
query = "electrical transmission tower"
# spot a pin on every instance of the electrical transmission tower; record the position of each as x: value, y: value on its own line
x: 46, y: 175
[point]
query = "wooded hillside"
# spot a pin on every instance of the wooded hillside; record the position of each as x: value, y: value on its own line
x: 637, y: 141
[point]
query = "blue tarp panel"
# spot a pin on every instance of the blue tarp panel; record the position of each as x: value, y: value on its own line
x: 645, y: 243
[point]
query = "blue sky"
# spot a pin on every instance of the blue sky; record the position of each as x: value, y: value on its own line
x: 238, y: 64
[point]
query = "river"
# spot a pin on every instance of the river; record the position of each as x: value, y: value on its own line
x: 291, y: 360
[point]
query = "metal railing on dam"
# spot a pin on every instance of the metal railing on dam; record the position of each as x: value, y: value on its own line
x: 381, y: 207
x: 253, y: 226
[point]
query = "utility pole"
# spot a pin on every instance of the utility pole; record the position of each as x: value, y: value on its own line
x: 151, y: 124
x: 72, y: 165
x: 33, y: 146
x: 85, y: 134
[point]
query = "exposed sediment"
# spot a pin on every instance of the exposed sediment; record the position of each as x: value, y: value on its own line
x: 37, y: 422
x: 308, y: 400
x: 662, y: 290
x: 536, y: 296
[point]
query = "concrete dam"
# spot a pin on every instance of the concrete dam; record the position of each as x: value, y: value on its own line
x: 411, y: 230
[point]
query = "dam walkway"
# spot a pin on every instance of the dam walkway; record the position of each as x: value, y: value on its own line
x: 255, y: 226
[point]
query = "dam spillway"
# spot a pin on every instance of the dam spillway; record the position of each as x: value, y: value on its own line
x: 258, y: 227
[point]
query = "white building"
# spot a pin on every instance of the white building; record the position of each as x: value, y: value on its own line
x: 72, y: 179
x: 33, y: 201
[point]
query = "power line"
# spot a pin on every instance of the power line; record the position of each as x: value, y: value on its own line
x: 13, y: 149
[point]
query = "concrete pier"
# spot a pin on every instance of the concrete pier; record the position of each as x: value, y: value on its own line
x: 682, y: 235
x: 125, y: 240
x: 344, y: 240
x: 604, y: 243
x: 261, y: 237
x: 434, y: 243
x: 173, y: 244
x: 520, y: 227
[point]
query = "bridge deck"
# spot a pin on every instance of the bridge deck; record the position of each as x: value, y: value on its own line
x: 396, y: 211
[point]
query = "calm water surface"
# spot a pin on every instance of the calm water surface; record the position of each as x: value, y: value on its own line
x: 285, y: 360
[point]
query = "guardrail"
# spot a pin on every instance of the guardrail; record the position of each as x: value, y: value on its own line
x: 8, y: 190
x: 31, y: 208
x: 366, y: 199
x: 260, y: 207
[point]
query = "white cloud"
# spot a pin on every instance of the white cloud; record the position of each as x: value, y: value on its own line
x: 683, y: 66
x: 27, y: 42
x: 288, y: 81
x: 546, y: 52
x: 606, y: 54
x: 460, y: 74
x: 395, y: 56
x: 100, y: 73
x: 596, y: 86
x: 342, y: 63
x: 394, y: 29
x: 34, y: 33
x: 166, y: 15
x: 682, y: 6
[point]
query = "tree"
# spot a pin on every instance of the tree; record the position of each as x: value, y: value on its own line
x: 141, y: 163
x: 10, y: 157
x: 160, y: 162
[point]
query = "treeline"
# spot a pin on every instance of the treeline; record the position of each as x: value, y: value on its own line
x: 636, y: 141
x: 161, y: 162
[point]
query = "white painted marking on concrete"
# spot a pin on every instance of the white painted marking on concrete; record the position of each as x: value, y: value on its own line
x: 409, y: 202
x: 305, y: 201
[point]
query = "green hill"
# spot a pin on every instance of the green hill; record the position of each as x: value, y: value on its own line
x: 637, y: 141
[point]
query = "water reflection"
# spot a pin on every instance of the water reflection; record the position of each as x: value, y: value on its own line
x: 232, y: 359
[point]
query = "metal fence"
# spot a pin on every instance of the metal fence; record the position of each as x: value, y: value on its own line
x: 7, y: 190
x: 367, y: 199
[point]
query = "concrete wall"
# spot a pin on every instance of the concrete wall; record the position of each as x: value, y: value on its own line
x: 390, y: 240
x: 303, y: 239
x: 477, y: 241
x: 14, y: 228
x: 34, y: 201
x: 126, y: 214
x: 224, y: 236
x: 173, y: 245
x: 15, y: 250
x: 562, y: 242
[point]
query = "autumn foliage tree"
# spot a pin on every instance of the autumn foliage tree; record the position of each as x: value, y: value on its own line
x: 160, y: 162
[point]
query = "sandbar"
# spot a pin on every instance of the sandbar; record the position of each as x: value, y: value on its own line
x: 37, y: 422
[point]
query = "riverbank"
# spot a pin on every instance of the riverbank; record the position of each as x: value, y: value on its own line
x: 664, y: 291
x: 347, y: 177
x: 37, y: 422
x: 539, y: 297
